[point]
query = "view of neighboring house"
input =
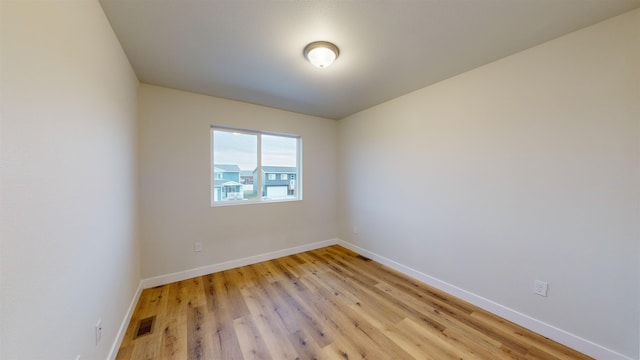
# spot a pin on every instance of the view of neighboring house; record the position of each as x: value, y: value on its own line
x: 226, y: 183
x: 246, y: 177
x: 277, y: 181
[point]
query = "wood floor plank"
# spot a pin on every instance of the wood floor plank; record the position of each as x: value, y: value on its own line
x: 329, y: 303
x: 270, y: 326
x: 432, y: 340
x: 251, y: 342
x: 304, y: 345
x: 413, y: 348
x: 173, y: 339
x: 357, y: 328
x: 199, y: 343
x: 317, y: 325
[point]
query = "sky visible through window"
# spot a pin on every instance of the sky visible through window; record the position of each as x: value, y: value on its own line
x: 240, y: 149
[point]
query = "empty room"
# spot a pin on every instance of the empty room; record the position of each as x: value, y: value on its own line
x: 221, y: 179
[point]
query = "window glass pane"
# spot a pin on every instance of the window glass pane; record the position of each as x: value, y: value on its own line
x: 280, y: 158
x: 251, y: 166
x: 235, y: 158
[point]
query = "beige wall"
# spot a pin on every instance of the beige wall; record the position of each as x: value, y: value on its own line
x: 175, y: 183
x: 524, y: 169
x: 68, y: 210
x: 527, y: 168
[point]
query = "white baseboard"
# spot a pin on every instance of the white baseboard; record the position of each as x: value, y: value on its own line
x: 573, y: 341
x: 585, y: 346
x: 125, y: 323
x: 188, y: 274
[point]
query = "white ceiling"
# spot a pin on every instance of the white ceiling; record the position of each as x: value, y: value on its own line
x: 251, y: 50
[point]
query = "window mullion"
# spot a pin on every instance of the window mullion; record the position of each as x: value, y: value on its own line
x: 298, y: 182
x: 259, y: 171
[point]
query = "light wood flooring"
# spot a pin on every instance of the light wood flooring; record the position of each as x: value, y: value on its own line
x: 324, y: 304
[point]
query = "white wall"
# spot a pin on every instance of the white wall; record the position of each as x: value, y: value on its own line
x: 526, y: 168
x: 175, y: 177
x: 70, y: 253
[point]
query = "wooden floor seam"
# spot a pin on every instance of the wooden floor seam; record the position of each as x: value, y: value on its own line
x: 329, y: 303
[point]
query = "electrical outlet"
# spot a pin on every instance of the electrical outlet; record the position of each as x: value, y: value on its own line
x: 540, y: 287
x: 98, y: 331
x: 197, y: 247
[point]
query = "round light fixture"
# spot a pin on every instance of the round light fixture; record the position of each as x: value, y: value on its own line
x: 321, y: 53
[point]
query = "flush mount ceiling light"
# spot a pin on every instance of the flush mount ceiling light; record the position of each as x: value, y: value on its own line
x: 321, y: 53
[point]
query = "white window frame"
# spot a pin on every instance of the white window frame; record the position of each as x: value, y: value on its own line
x: 271, y: 177
x: 284, y: 176
x: 257, y: 183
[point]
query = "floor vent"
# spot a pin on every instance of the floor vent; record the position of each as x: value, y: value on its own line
x: 144, y: 327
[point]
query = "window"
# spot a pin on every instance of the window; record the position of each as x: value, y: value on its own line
x: 240, y: 154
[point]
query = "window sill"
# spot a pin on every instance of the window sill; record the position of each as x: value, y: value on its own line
x: 251, y: 202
